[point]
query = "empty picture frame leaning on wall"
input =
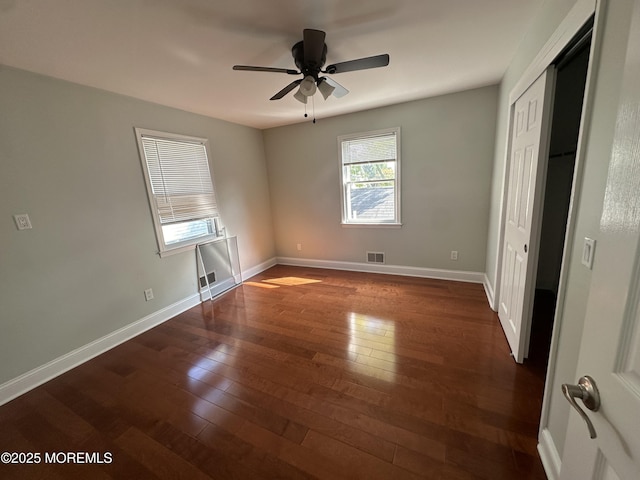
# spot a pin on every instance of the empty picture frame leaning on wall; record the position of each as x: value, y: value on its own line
x: 218, y: 266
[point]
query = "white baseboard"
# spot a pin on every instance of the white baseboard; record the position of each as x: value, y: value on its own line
x: 549, y: 455
x: 488, y: 289
x: 456, y: 275
x: 31, y: 379
x: 250, y: 272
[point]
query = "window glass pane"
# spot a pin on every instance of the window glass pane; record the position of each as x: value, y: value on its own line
x: 371, y: 202
x: 371, y: 171
x: 180, y: 232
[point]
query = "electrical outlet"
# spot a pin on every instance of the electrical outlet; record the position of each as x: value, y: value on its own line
x: 299, y: 247
x: 454, y: 255
x: 22, y: 221
x: 148, y: 294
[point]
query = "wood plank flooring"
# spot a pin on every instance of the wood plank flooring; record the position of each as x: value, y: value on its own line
x: 298, y: 373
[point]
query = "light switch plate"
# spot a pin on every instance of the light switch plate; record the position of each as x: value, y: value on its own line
x: 587, y: 252
x: 22, y: 221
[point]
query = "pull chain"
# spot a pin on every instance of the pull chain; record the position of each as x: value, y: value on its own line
x: 313, y: 109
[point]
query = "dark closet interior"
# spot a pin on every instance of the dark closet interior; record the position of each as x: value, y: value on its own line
x: 571, y: 69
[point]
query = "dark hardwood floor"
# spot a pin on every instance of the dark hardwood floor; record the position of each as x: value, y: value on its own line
x: 298, y: 373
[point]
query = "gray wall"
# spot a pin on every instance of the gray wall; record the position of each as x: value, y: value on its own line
x: 68, y: 158
x: 599, y: 134
x: 447, y: 154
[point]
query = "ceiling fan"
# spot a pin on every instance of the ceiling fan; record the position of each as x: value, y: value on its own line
x: 309, y: 55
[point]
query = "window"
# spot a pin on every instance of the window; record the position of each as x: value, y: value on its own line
x: 370, y: 177
x: 180, y: 189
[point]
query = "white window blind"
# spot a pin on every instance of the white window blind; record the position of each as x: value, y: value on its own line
x: 180, y: 189
x: 180, y: 180
x: 381, y: 148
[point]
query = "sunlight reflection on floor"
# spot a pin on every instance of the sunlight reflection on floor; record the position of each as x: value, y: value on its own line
x: 292, y: 281
x: 282, y: 281
x: 208, y: 384
x: 261, y: 285
x: 208, y: 364
x: 372, y: 346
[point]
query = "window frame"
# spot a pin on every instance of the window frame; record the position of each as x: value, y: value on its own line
x: 165, y: 249
x: 397, y: 220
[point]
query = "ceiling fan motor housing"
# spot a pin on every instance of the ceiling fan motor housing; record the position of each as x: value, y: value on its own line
x: 308, y: 68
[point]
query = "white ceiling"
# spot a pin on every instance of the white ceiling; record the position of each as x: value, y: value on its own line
x: 180, y: 52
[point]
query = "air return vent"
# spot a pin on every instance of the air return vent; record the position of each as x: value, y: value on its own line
x: 375, y: 257
x: 211, y: 277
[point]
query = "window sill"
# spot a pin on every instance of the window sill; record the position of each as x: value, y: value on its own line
x: 174, y: 251
x: 188, y: 247
x: 371, y: 225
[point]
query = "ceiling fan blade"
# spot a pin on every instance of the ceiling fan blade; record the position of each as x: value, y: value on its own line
x: 313, y: 42
x: 359, y: 64
x: 339, y: 90
x: 286, y: 90
x: 250, y: 68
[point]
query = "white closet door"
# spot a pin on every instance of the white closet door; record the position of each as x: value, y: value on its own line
x: 529, y: 148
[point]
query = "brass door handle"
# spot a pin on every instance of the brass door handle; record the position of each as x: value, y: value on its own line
x: 587, y: 391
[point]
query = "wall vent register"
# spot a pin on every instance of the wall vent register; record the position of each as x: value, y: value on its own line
x: 375, y: 257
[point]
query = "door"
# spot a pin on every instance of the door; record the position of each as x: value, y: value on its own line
x: 610, y: 346
x: 529, y: 146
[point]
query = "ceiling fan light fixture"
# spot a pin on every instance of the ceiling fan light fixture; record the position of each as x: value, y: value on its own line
x: 325, y: 89
x: 308, y: 86
x: 302, y: 98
